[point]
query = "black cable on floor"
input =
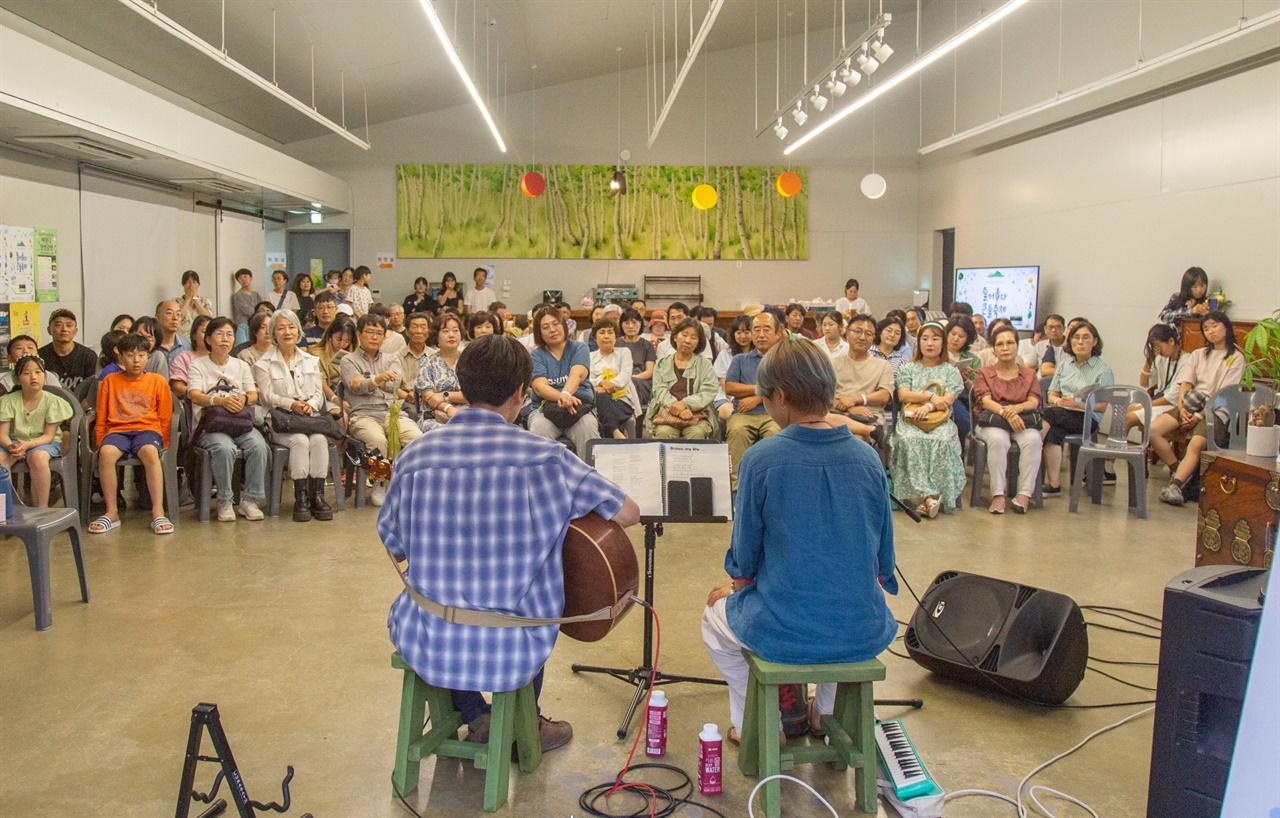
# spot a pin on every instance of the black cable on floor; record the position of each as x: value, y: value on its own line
x: 1119, y: 662
x: 1123, y: 610
x: 400, y: 797
x: 1140, y: 623
x: 668, y: 800
x: 1155, y: 636
x: 1121, y: 681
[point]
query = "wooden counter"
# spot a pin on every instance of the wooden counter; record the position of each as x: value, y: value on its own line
x: 1239, y: 509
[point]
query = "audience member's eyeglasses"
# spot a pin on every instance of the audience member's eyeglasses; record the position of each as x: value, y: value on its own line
x: 222, y: 333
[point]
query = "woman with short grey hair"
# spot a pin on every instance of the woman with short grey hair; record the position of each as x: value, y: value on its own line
x: 811, y: 555
x: 289, y: 379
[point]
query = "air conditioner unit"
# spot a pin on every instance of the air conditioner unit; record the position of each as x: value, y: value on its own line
x: 81, y: 144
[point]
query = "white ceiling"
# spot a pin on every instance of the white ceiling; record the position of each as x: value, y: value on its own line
x: 385, y: 49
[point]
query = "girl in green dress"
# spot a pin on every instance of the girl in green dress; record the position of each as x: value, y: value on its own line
x: 29, y: 420
x: 926, y: 466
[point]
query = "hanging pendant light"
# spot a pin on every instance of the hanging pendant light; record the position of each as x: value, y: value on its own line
x: 788, y: 184
x: 532, y: 184
x: 705, y: 197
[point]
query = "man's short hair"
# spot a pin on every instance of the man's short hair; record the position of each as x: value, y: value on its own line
x: 17, y: 339
x: 706, y: 312
x: 62, y: 313
x: 492, y: 368
x: 326, y: 297
x: 802, y: 370
x: 371, y: 320
x: 132, y: 343
x: 243, y: 271
x: 414, y: 316
x: 679, y: 305
x: 497, y: 305
x: 1052, y: 316
x: 860, y: 317
x: 794, y: 307
x: 380, y: 309
x: 779, y: 318
x: 484, y: 270
x: 960, y: 308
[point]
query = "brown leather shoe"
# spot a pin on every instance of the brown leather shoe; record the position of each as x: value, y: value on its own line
x: 553, y: 734
x: 478, y: 730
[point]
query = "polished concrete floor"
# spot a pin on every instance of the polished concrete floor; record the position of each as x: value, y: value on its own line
x: 283, y: 625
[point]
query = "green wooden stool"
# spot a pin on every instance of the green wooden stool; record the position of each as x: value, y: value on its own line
x: 850, y: 730
x: 514, y: 718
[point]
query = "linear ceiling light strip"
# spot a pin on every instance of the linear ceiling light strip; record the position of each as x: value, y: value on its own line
x: 452, y: 52
x: 911, y: 70
x: 168, y: 24
x: 694, y: 48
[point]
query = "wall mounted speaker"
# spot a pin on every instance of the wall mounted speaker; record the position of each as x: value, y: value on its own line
x: 1013, y: 638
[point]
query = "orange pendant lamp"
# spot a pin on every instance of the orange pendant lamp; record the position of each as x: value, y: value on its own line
x: 532, y: 184
x: 788, y: 184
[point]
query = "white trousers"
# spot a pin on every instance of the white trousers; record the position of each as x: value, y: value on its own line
x: 726, y: 652
x: 998, y: 442
x: 579, y: 433
x: 308, y: 455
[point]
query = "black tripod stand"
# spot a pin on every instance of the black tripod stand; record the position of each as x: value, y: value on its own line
x: 643, y: 675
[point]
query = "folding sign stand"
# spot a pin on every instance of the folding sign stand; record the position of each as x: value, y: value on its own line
x: 206, y: 715
x: 644, y: 674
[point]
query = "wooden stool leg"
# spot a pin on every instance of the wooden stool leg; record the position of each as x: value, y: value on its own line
x: 846, y: 703
x: 748, y: 750
x: 497, y: 770
x: 526, y: 730
x: 864, y: 720
x: 769, y: 723
x: 413, y: 702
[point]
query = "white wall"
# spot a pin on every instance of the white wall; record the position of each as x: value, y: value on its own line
x: 1115, y: 209
x: 577, y: 123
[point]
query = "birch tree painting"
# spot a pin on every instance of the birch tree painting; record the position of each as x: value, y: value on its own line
x: 479, y: 211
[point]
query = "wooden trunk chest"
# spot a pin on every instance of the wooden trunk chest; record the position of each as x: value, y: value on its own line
x: 1239, y: 509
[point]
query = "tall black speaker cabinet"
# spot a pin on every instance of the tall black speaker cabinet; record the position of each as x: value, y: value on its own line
x: 1211, y: 618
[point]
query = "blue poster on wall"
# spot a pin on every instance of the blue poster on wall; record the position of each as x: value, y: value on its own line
x: 1001, y: 292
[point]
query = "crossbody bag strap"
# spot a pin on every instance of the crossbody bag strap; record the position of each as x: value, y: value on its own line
x: 489, y: 619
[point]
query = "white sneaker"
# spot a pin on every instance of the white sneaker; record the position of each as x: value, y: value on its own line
x: 249, y: 509
x: 226, y: 512
x: 379, y: 493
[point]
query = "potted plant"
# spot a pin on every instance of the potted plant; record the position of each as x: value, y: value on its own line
x: 1262, y: 362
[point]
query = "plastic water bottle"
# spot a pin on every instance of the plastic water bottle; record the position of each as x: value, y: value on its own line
x: 655, y: 743
x: 710, y: 749
x: 6, y: 495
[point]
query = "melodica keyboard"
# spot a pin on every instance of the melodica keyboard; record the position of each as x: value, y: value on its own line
x: 900, y: 760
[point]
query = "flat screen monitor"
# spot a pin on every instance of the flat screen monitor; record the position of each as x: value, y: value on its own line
x: 1001, y: 292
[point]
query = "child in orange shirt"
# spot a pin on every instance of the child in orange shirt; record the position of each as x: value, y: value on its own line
x: 134, y: 412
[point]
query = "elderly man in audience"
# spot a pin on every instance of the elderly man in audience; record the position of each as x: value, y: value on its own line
x: 750, y: 421
x: 811, y: 556
x: 864, y: 384
x: 1052, y: 349
x: 415, y: 352
x: 451, y: 552
x: 372, y: 378
x: 1006, y: 395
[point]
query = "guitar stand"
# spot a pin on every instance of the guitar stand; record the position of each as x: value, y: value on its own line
x: 204, y: 716
x: 645, y: 674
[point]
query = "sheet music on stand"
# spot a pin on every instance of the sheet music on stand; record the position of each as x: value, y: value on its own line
x: 671, y: 479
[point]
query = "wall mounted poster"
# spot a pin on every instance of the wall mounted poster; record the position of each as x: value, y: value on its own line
x: 479, y: 211
x: 46, y: 241
x: 4, y: 334
x: 17, y: 263
x: 24, y: 319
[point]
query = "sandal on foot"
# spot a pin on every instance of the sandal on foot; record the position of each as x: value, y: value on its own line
x: 732, y: 736
x: 162, y: 525
x: 932, y: 506
x: 103, y: 524
x: 815, y: 720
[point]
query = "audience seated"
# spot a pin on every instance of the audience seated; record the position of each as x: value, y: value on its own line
x: 794, y: 317
x: 562, y: 393
x: 926, y: 466
x: 134, y: 409
x: 1074, y: 377
x: 259, y: 339
x: 420, y: 299
x: 393, y: 343
x: 181, y: 366
x: 338, y: 342
x: 304, y: 292
x: 891, y: 343
x: 1161, y: 372
x: 739, y: 341
x: 20, y: 346
x: 371, y: 378
x: 914, y: 320
x: 288, y: 380
x: 831, y: 339
x: 220, y: 388
x: 168, y: 338
x: 438, y: 394
x: 157, y: 361
x: 979, y: 334
x: 326, y: 309
x: 750, y: 421
x: 1053, y: 347
x: 611, y: 367
x: 417, y: 349
x: 643, y: 355
x: 960, y: 335
x: 29, y: 421
x: 657, y: 329
x: 70, y: 361
x: 1006, y: 395
x: 864, y: 383
x: 684, y: 388
x: 482, y: 323
x: 1209, y: 369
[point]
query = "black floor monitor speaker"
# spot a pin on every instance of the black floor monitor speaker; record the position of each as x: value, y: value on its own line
x: 1014, y: 638
x: 1211, y: 619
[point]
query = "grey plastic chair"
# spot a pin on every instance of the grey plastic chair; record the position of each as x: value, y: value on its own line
x: 36, y: 527
x: 1236, y: 403
x: 168, y: 463
x: 280, y: 457
x: 65, y: 467
x: 1091, y: 455
x: 978, y: 459
x: 202, y: 461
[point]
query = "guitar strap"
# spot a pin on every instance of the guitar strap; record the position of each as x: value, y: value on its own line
x: 489, y: 619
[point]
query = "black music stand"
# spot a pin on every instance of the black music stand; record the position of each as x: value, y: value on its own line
x: 642, y: 675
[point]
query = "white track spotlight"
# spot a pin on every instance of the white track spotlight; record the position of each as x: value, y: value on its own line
x: 835, y: 87
x: 866, y: 63
x: 799, y: 115
x: 818, y: 100
x: 850, y: 74
x: 882, y: 50
x: 780, y: 129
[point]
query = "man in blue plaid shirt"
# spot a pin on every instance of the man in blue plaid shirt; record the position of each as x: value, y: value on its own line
x: 480, y: 508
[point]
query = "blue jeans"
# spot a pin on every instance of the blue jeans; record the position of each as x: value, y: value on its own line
x: 960, y: 414
x: 471, y: 703
x: 222, y: 452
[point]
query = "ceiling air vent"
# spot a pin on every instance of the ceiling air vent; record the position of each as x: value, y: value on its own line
x: 213, y: 184
x: 81, y: 144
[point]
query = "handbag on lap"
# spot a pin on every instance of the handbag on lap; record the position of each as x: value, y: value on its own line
x: 936, y: 418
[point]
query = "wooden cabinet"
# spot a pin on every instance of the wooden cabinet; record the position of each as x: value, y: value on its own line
x: 1239, y: 509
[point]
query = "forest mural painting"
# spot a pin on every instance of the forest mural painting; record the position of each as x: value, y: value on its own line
x: 479, y: 211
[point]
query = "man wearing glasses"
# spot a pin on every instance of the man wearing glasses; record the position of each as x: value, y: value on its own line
x: 372, y: 378
x: 864, y: 384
